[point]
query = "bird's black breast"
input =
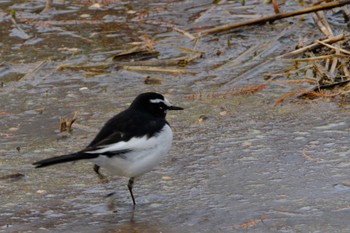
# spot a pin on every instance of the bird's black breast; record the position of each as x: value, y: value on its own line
x: 126, y: 125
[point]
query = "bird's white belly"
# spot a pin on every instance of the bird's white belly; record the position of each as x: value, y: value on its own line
x: 144, y: 155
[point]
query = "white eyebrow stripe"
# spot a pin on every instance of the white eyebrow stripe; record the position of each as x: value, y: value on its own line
x: 156, y: 101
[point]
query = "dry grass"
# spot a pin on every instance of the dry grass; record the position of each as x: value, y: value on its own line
x: 324, y: 63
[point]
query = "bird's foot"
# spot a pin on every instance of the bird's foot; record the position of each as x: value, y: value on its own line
x: 102, y: 177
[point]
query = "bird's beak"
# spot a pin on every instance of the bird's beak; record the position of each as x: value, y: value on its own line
x: 174, y: 108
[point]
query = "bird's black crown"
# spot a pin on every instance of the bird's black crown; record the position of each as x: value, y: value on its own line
x: 153, y: 103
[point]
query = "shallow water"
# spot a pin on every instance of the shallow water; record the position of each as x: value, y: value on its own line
x: 247, y: 167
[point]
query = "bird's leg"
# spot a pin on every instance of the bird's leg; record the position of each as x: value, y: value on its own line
x: 97, y: 169
x: 130, y: 184
x: 102, y: 177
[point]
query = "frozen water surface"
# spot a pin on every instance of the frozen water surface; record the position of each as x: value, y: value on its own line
x: 237, y: 164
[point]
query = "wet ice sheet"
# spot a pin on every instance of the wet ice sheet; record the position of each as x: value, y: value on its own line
x: 263, y: 171
x: 254, y: 169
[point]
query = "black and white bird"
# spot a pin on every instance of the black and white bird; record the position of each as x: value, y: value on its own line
x: 131, y: 143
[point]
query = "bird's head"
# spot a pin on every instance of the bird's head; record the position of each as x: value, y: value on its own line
x: 153, y: 103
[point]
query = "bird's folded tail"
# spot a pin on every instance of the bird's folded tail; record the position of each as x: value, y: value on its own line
x: 64, y: 159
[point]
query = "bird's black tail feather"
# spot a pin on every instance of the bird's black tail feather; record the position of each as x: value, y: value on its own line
x: 64, y: 159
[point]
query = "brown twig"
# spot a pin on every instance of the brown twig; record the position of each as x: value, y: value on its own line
x: 321, y: 70
x: 157, y: 69
x: 308, y: 157
x: 14, y: 176
x: 179, y: 61
x: 81, y: 66
x: 189, y: 35
x: 275, y: 7
x: 333, y: 47
x: 323, y: 57
x: 285, y: 95
x: 66, y: 123
x: 345, y: 70
x: 24, y: 36
x: 321, y: 21
x: 34, y: 70
x: 48, y: 5
x: 314, y: 45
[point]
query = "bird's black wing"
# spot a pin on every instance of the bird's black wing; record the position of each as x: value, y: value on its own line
x: 123, y: 127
